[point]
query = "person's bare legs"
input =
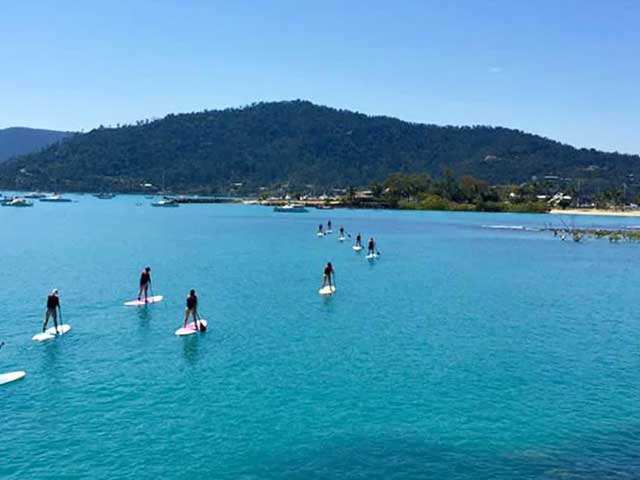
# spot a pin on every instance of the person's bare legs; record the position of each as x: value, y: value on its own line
x: 54, y: 314
x: 46, y: 320
x: 195, y: 319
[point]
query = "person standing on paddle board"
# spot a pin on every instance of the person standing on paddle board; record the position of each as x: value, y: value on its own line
x: 327, y: 275
x: 372, y: 246
x: 329, y: 225
x: 342, y: 231
x: 358, y: 240
x: 320, y: 228
x: 53, y: 305
x: 145, y: 281
x: 191, y: 309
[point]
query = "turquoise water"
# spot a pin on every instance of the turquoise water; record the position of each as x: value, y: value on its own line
x: 464, y: 352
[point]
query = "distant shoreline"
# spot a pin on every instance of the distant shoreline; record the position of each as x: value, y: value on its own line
x: 596, y: 211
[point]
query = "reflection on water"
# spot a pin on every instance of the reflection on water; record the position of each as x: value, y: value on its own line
x: 52, y: 353
x: 144, y: 314
x: 190, y: 347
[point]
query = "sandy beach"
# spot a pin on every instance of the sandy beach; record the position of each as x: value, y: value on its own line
x: 596, y: 211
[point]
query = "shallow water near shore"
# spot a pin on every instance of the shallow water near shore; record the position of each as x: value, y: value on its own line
x: 468, y: 350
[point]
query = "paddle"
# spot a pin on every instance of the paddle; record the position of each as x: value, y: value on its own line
x: 200, y: 326
x: 1, y: 344
x: 61, y: 322
x: 151, y: 288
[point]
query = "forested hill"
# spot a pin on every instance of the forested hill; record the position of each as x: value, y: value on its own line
x: 299, y: 143
x: 16, y: 141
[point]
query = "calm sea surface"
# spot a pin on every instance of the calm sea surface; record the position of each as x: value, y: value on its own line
x: 464, y: 352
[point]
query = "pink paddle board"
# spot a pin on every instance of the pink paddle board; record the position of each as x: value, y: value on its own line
x: 190, y: 328
x: 137, y: 303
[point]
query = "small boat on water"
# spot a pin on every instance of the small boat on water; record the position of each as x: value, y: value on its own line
x: 290, y: 208
x: 104, y: 196
x: 16, y: 202
x: 166, y: 202
x: 55, y: 199
x: 324, y: 207
x: 36, y: 195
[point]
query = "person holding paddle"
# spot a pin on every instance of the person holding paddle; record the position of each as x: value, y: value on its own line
x: 372, y: 247
x: 191, y: 309
x: 358, y: 240
x: 328, y: 275
x: 53, y: 305
x: 145, y: 281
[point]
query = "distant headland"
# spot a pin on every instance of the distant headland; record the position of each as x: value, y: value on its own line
x: 297, y: 148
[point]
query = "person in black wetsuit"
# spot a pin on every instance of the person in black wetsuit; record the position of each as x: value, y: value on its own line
x: 145, y: 281
x: 358, y: 240
x: 372, y: 246
x: 342, y: 231
x: 329, y: 225
x: 53, y: 305
x: 191, y: 309
x: 320, y: 229
x: 327, y: 275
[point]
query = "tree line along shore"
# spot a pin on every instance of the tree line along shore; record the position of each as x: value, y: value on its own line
x: 422, y: 192
x: 465, y: 193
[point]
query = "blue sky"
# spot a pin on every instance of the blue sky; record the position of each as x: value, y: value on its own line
x: 569, y: 70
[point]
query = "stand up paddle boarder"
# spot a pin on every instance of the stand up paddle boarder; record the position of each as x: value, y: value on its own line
x: 320, y: 232
x: 145, y: 281
x: 342, y: 231
x: 372, y: 247
x: 328, y: 275
x: 53, y: 305
x: 358, y: 240
x: 191, y: 309
x: 329, y: 225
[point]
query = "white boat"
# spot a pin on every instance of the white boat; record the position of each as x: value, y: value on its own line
x: 16, y: 202
x: 55, y: 199
x: 290, y: 208
x: 35, y: 195
x: 166, y: 202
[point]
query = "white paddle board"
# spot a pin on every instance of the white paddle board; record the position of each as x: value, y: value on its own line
x: 327, y: 290
x: 320, y: 234
x: 341, y: 239
x: 190, y: 328
x: 372, y: 256
x: 329, y: 232
x: 50, y: 333
x: 357, y: 248
x: 11, y: 376
x: 137, y: 303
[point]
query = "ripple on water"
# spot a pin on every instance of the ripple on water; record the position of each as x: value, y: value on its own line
x: 462, y: 353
